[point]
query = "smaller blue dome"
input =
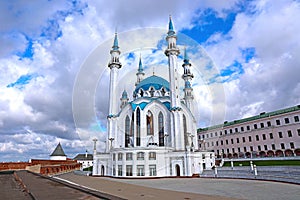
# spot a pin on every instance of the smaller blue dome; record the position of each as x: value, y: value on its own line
x: 153, y: 81
x: 124, y: 95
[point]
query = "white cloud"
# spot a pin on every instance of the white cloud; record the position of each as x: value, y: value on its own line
x: 41, y: 112
x: 270, y: 77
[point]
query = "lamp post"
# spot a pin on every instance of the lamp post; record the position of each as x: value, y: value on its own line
x: 192, y: 144
x: 95, y: 141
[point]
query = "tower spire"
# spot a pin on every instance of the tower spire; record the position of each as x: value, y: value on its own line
x: 140, y: 65
x: 177, y: 132
x: 171, y: 27
x: 187, y: 77
x: 140, y: 73
x: 114, y: 65
x: 116, y: 42
x: 172, y: 52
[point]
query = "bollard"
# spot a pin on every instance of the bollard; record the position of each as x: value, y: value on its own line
x: 231, y: 163
x: 216, y: 171
x: 255, y: 170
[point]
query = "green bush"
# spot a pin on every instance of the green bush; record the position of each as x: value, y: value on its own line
x: 264, y: 163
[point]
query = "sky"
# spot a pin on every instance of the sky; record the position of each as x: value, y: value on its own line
x: 54, y: 54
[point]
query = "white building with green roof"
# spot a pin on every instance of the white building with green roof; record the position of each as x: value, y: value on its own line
x: 272, y: 134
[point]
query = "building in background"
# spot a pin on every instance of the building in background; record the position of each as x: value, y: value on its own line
x: 58, y: 153
x: 86, y: 160
x: 273, y: 134
x: 58, y: 163
x: 154, y: 134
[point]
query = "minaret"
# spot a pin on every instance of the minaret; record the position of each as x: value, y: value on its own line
x: 124, y: 99
x: 187, y: 77
x: 172, y: 52
x: 140, y: 74
x: 114, y: 65
x: 177, y: 132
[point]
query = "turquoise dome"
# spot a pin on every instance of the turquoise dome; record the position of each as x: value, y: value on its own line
x: 153, y: 81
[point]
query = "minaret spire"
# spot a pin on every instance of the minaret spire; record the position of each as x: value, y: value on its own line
x: 172, y: 52
x: 116, y: 42
x: 187, y: 77
x: 114, y: 65
x: 140, y: 74
x: 177, y: 132
x: 171, y: 27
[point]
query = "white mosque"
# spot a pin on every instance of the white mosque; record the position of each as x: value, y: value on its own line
x: 154, y: 134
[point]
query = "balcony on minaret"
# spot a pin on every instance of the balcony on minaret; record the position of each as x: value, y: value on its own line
x: 171, y: 39
x: 187, y: 75
x: 115, y: 54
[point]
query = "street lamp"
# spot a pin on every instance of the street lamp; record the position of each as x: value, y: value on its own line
x: 192, y: 143
x: 95, y: 141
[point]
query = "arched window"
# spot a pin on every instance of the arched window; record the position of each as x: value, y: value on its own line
x: 131, y: 136
x: 161, y: 129
x: 127, y: 131
x: 185, y: 131
x: 138, y: 127
x: 141, y: 93
x: 152, y: 92
x: 163, y: 92
x: 149, y: 119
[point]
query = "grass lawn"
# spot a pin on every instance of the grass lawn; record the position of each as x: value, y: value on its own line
x: 264, y: 163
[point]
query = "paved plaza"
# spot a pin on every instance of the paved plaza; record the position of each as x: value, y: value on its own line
x: 189, y: 188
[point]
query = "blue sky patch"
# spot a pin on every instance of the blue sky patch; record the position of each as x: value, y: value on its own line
x: 130, y: 55
x: 28, y: 52
x: 52, y: 31
x: 208, y: 23
x: 22, y: 81
x: 248, y: 53
x: 231, y: 72
x: 235, y: 68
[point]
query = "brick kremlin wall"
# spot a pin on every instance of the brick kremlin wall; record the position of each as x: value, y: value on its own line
x: 45, y: 167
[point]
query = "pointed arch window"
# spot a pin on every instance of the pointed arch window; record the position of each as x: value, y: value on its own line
x: 149, y: 119
x: 185, y: 131
x: 131, y: 135
x: 138, y: 127
x: 151, y: 92
x: 141, y: 93
x: 161, y: 129
x: 127, y: 131
x: 163, y: 91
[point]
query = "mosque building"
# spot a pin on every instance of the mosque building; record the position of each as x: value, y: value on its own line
x: 155, y: 133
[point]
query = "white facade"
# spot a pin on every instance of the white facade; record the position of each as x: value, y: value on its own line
x: 155, y: 133
x: 58, y: 158
x: 273, y: 134
x: 86, y: 160
x: 58, y: 153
